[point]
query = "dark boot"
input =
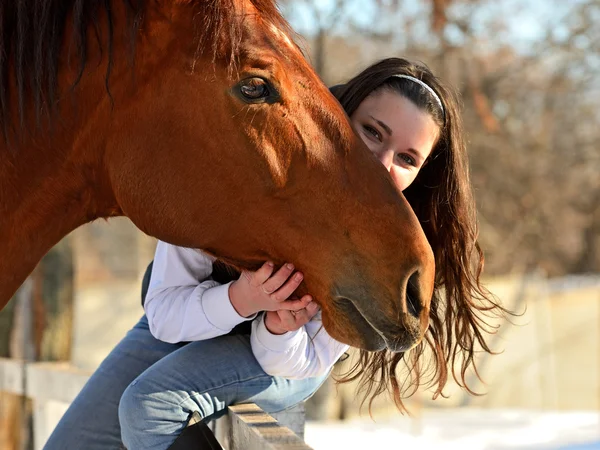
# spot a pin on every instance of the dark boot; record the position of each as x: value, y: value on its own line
x: 196, y: 436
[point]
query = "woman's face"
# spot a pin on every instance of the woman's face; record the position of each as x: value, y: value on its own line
x: 399, y: 133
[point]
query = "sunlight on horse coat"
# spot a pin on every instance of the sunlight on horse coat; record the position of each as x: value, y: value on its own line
x: 204, y: 124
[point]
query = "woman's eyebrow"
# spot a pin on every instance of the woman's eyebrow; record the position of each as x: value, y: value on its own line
x: 382, y: 125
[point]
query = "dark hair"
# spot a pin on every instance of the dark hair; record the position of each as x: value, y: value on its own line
x: 32, y: 48
x: 442, y: 198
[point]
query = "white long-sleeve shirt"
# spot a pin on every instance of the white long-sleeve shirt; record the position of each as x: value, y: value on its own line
x: 183, y: 303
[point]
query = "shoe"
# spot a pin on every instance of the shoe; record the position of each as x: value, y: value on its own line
x: 196, y: 436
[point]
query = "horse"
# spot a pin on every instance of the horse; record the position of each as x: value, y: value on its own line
x: 205, y: 125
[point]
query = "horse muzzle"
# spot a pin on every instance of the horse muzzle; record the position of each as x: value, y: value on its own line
x: 376, y: 331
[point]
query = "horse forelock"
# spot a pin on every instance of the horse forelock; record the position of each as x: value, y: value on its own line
x: 227, y: 18
x: 32, y: 34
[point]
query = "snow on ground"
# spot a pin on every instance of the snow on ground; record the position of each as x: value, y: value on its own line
x: 462, y: 429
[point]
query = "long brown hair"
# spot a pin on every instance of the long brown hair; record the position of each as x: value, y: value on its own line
x: 442, y: 198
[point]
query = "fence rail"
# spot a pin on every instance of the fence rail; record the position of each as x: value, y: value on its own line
x: 53, y: 386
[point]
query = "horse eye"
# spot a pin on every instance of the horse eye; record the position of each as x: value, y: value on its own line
x: 254, y: 89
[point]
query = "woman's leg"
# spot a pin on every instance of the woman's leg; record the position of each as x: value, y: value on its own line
x: 204, y: 376
x: 91, y: 422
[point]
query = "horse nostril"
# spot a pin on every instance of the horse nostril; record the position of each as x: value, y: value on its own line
x: 414, y: 305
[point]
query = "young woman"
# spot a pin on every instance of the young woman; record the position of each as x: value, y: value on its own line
x: 205, y: 343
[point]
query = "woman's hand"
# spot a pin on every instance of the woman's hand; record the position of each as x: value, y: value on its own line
x: 264, y: 290
x: 283, y: 320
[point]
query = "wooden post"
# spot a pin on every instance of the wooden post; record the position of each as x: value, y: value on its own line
x: 13, y: 407
x: 253, y: 429
x: 36, y: 326
x: 52, y: 387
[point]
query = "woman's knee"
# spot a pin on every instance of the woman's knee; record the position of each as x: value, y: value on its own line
x: 133, y: 410
x: 145, y: 407
x: 144, y: 402
x: 147, y: 418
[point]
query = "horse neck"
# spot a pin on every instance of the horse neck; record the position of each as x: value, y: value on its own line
x: 43, y: 197
x: 50, y: 185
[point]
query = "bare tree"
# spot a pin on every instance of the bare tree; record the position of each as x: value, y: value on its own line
x: 321, y: 21
x: 530, y: 108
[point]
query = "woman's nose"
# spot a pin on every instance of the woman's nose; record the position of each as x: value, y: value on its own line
x: 386, y: 157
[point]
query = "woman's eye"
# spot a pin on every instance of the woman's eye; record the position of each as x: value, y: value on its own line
x: 407, y: 159
x: 372, y: 131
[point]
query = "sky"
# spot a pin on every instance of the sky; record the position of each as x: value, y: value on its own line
x: 527, y: 21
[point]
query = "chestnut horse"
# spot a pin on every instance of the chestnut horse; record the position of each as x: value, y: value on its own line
x: 204, y: 124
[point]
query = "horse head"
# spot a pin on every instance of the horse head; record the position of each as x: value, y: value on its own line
x: 220, y: 136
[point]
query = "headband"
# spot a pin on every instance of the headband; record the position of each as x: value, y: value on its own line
x: 426, y: 87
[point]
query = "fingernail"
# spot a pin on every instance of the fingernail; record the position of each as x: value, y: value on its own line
x: 298, y: 276
x: 290, y: 266
x: 312, y: 306
x: 270, y: 264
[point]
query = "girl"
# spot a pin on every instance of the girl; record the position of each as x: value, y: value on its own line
x: 206, y: 343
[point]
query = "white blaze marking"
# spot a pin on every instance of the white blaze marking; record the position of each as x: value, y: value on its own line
x: 282, y: 36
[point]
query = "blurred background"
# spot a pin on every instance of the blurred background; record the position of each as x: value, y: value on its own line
x: 528, y: 74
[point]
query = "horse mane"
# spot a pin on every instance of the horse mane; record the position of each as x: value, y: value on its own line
x: 32, y: 36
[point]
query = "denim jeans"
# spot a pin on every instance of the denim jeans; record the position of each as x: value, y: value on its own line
x: 143, y: 393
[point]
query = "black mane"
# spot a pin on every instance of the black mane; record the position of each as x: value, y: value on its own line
x: 32, y: 34
x: 31, y: 39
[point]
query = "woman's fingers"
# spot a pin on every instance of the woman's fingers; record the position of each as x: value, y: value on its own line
x: 304, y: 315
x: 292, y: 320
x: 288, y: 320
x: 312, y: 309
x: 278, y: 279
x: 280, y: 285
x: 295, y: 305
x: 285, y: 291
x: 261, y: 275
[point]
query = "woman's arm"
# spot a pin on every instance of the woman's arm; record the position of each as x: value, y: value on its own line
x: 304, y: 353
x: 183, y: 303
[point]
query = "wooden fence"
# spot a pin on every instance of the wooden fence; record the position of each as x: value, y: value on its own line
x: 53, y: 386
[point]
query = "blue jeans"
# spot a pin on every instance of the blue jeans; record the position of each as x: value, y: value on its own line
x: 145, y: 390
